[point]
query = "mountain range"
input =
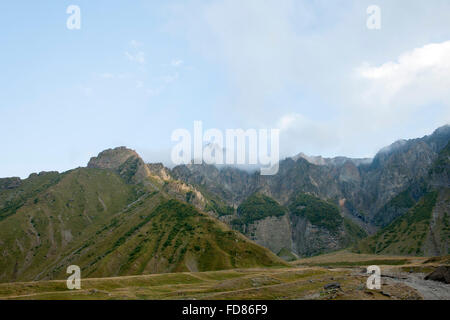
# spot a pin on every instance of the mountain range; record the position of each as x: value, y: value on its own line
x: 122, y: 216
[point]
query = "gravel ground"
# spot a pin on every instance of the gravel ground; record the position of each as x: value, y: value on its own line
x: 428, y: 289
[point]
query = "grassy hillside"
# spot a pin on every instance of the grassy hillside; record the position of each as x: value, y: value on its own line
x: 324, y: 214
x: 213, y: 202
x: 173, y: 237
x: 407, y: 234
x: 316, y: 211
x: 95, y: 219
x: 56, y: 217
x: 424, y: 228
x: 15, y: 192
x: 305, y: 281
x: 399, y: 204
x: 257, y: 207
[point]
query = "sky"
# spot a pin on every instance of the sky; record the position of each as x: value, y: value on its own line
x: 136, y: 71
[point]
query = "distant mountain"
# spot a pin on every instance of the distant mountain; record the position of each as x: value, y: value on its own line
x: 122, y: 216
x: 336, y: 161
x: 304, y: 227
x: 118, y: 216
x: 421, y: 226
x: 371, y: 193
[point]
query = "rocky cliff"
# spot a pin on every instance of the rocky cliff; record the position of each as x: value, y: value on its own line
x: 371, y: 193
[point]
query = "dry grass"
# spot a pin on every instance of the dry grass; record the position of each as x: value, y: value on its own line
x: 294, y: 283
x: 347, y: 258
x: 305, y: 279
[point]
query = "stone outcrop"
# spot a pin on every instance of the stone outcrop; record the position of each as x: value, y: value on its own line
x: 10, y: 183
x: 441, y: 274
x: 126, y: 162
x: 272, y: 232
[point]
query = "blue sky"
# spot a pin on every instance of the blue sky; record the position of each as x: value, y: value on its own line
x: 138, y: 70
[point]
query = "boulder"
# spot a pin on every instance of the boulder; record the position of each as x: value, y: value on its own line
x: 441, y: 274
x: 333, y: 285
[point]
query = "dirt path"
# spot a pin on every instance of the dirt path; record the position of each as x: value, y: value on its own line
x: 428, y: 289
x: 41, y: 294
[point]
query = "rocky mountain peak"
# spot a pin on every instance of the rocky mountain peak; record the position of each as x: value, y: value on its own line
x: 336, y: 161
x: 160, y: 171
x: 317, y: 160
x: 444, y: 130
x: 123, y: 160
x: 112, y: 158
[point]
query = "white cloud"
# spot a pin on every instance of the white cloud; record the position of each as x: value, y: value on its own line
x: 299, y: 133
x: 301, y: 62
x: 287, y: 121
x: 418, y: 77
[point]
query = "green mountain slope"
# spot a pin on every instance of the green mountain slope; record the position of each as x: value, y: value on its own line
x: 307, y: 226
x: 319, y: 227
x: 257, y: 207
x: 406, y: 235
x: 399, y: 204
x: 15, y: 192
x: 318, y: 212
x: 119, y: 220
x: 424, y: 228
x: 161, y: 235
x: 63, y: 214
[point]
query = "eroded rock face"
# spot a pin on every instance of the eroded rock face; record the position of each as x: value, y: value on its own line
x: 365, y: 184
x: 369, y: 187
x: 437, y: 239
x: 230, y: 184
x: 393, y: 170
x: 309, y: 239
x: 273, y: 233
x: 158, y: 170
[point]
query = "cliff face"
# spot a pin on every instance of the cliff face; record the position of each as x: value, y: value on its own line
x: 438, y: 234
x: 365, y: 185
x: 421, y: 222
x: 301, y: 234
x: 371, y: 193
x: 273, y: 233
x: 309, y: 239
x: 305, y: 226
x: 229, y: 184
